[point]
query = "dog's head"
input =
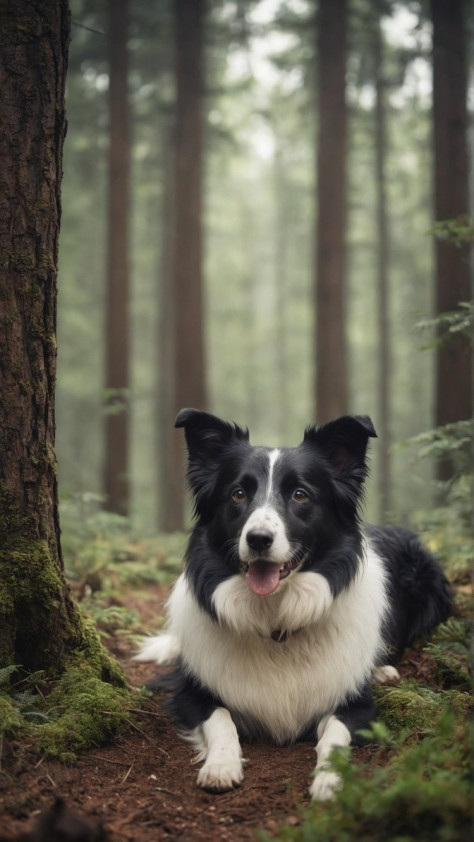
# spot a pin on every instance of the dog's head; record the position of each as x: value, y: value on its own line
x: 273, y: 511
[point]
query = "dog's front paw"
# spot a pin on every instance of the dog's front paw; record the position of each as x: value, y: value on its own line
x: 220, y: 777
x: 324, y: 786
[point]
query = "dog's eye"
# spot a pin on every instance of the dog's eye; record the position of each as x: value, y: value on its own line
x: 299, y: 496
x: 239, y: 495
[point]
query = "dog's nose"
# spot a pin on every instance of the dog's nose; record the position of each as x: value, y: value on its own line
x: 259, y: 539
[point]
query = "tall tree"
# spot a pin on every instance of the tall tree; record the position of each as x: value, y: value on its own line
x: 383, y: 390
x: 188, y: 380
x: 117, y: 295
x: 454, y: 364
x: 40, y: 627
x: 330, y: 263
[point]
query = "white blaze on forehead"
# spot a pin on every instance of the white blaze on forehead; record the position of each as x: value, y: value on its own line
x: 272, y: 458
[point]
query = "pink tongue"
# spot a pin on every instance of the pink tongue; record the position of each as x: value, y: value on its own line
x: 262, y: 577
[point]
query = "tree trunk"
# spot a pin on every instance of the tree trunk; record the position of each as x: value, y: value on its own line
x: 383, y: 390
x: 117, y: 300
x: 281, y: 286
x: 39, y: 624
x: 453, y: 378
x: 189, y: 382
x: 165, y: 357
x: 331, y: 353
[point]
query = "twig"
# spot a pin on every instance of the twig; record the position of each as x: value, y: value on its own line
x: 146, y: 713
x: 127, y: 774
x: 87, y: 28
x: 166, y: 791
x: 106, y: 760
x: 132, y: 725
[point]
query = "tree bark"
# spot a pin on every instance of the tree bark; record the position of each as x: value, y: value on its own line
x: 454, y: 371
x: 189, y: 378
x: 330, y: 285
x: 165, y: 409
x: 39, y: 623
x: 380, y: 136
x: 117, y: 299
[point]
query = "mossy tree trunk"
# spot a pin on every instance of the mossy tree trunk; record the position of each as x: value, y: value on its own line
x: 39, y: 622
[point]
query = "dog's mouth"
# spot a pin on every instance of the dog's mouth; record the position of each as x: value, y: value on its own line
x: 263, y: 577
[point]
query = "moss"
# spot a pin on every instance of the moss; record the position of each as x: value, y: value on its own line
x: 10, y: 718
x: 83, y: 712
x: 11, y: 316
x: 103, y: 665
x: 412, y: 706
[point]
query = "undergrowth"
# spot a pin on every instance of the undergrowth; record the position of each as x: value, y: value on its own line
x: 423, y: 793
x: 85, y: 707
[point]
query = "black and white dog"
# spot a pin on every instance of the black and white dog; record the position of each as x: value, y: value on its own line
x: 287, y: 608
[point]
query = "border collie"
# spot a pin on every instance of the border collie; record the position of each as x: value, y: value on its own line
x: 287, y: 608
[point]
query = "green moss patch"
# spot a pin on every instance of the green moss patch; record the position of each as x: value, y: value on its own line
x: 83, y: 711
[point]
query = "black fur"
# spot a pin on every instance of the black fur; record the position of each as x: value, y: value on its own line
x: 420, y: 595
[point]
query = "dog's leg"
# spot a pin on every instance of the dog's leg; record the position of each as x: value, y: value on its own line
x: 331, y: 733
x: 220, y: 749
x: 340, y: 728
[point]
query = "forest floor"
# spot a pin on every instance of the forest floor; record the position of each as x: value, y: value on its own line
x: 141, y: 786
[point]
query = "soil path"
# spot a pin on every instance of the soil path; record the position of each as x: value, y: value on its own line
x: 142, y: 786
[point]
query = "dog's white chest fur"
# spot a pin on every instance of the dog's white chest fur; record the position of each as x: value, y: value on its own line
x: 331, y: 646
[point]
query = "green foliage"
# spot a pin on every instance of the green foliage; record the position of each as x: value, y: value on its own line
x: 101, y: 551
x: 450, y: 650
x: 422, y: 793
x: 458, y: 231
x: 6, y: 673
x: 109, y: 619
x: 448, y: 440
x: 451, y: 440
x: 448, y: 324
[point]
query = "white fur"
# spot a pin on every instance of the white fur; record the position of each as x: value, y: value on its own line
x: 332, y: 648
x: 331, y: 733
x: 273, y: 456
x: 266, y: 518
x: 218, y: 745
x: 163, y: 649
x: 283, y: 686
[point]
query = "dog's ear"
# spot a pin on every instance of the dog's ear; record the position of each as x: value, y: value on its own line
x: 207, y: 438
x: 344, y: 442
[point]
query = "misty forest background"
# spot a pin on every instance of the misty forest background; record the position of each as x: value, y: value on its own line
x: 250, y: 91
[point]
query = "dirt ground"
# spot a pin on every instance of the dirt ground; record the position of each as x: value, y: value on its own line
x: 141, y: 787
